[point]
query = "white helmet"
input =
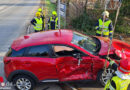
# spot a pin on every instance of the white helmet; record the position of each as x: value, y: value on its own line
x: 106, y: 13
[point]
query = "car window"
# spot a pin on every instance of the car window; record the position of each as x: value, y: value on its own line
x: 14, y: 53
x: 64, y: 50
x: 85, y: 42
x: 38, y: 51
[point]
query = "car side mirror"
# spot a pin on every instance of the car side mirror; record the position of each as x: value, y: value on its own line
x: 78, y: 56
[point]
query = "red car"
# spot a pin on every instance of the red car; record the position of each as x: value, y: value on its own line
x: 57, y: 56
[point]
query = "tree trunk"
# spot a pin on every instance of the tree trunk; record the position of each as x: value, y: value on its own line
x: 85, y: 6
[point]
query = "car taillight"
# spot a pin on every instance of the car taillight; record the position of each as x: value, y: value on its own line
x: 7, y: 61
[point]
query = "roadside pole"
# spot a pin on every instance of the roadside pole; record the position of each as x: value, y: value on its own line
x: 63, y: 12
x: 65, y: 16
x: 59, y: 14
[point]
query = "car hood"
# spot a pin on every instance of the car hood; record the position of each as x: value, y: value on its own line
x: 105, y: 45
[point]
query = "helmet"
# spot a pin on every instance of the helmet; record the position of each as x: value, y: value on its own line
x: 38, y: 14
x: 106, y: 13
x: 54, y: 13
x: 120, y: 54
x: 124, y: 66
x: 39, y: 9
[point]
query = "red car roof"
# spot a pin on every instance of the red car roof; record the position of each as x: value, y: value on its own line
x: 47, y: 37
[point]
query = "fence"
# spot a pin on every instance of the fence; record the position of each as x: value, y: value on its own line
x: 76, y: 7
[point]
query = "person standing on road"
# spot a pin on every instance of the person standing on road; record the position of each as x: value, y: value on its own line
x: 37, y: 22
x: 43, y: 17
x: 121, y: 79
x: 53, y: 21
x: 104, y: 26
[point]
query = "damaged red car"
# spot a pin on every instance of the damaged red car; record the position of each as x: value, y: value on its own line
x: 57, y: 56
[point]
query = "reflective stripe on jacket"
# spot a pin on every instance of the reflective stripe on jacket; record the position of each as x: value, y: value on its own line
x: 120, y: 84
x: 105, y: 31
x: 38, y: 24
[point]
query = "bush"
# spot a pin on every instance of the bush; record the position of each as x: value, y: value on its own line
x: 84, y: 24
x: 122, y: 25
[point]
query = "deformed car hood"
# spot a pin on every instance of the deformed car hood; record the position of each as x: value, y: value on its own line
x: 116, y: 45
x: 105, y: 46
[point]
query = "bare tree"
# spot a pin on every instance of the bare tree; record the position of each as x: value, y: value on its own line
x: 85, y: 6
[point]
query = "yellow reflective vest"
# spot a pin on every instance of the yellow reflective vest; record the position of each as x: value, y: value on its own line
x: 38, y: 24
x: 105, y: 31
x: 121, y: 84
x: 53, y: 21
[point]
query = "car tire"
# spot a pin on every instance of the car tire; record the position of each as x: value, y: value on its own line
x: 23, y: 82
x: 102, y: 78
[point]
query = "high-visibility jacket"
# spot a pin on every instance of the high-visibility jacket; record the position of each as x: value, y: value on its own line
x: 105, y: 31
x: 38, y: 24
x: 53, y: 23
x: 121, y: 84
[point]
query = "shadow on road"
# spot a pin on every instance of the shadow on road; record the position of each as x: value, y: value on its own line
x: 64, y: 86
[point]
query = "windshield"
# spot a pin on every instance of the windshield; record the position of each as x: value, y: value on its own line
x: 85, y: 42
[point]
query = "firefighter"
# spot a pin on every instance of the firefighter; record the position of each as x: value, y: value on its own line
x: 53, y: 21
x: 37, y: 22
x: 43, y: 18
x: 121, y: 78
x: 104, y: 29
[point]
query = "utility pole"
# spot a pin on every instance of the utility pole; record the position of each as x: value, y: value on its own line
x: 59, y: 14
x: 65, y: 15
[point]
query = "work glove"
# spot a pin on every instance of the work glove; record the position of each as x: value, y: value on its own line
x: 100, y: 29
x: 110, y: 61
x: 110, y: 38
x: 48, y: 26
x: 57, y: 26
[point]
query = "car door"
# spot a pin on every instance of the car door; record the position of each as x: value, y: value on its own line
x: 38, y: 60
x: 67, y: 65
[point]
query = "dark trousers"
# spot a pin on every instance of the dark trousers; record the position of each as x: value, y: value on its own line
x: 38, y: 30
x: 98, y: 34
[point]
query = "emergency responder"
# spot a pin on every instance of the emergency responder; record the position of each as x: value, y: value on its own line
x: 104, y: 29
x: 37, y: 22
x: 43, y: 18
x: 121, y: 78
x: 53, y: 21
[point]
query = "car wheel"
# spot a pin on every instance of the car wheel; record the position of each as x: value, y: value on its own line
x: 102, y: 78
x: 23, y: 82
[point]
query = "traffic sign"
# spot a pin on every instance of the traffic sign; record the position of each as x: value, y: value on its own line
x: 62, y: 7
x: 63, y: 10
